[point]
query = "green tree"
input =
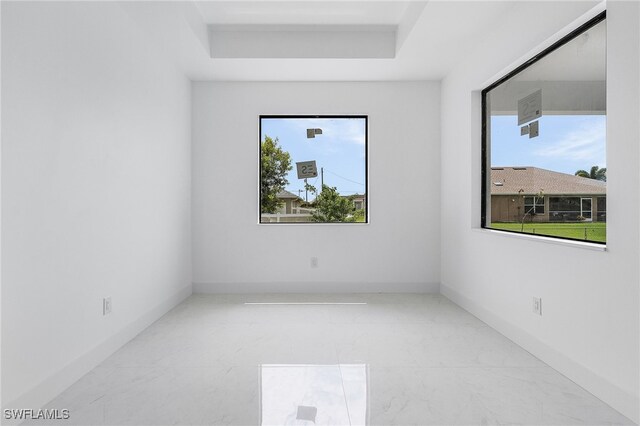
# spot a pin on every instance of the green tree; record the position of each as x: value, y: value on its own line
x: 358, y: 216
x: 596, y: 173
x: 310, y: 188
x: 275, y: 164
x: 331, y: 207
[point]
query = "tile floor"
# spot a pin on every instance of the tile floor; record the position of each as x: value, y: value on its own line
x: 378, y: 359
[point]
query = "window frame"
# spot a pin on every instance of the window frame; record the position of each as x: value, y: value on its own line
x: 535, y: 203
x: 485, y: 189
x: 318, y: 116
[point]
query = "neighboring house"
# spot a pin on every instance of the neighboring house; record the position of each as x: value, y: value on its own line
x: 566, y: 198
x: 291, y: 202
x: 290, y: 211
x: 359, y: 201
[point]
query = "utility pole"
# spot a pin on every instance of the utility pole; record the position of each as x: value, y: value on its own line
x: 321, y: 178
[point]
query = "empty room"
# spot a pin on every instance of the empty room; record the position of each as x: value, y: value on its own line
x: 320, y: 212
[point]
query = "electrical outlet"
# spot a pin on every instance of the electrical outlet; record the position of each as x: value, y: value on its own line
x: 314, y: 262
x: 537, y: 305
x: 106, y: 306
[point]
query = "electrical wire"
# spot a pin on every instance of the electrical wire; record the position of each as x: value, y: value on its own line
x: 342, y: 177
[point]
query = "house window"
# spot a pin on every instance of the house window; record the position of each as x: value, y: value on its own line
x: 564, y: 209
x: 313, y: 169
x: 544, y: 141
x: 534, y: 205
x: 601, y: 210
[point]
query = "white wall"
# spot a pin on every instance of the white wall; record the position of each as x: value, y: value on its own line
x: 397, y: 251
x: 589, y: 330
x: 95, y: 191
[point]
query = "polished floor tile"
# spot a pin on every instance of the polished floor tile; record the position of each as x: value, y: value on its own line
x: 355, y: 359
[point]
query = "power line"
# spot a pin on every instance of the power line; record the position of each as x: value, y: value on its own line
x: 342, y: 177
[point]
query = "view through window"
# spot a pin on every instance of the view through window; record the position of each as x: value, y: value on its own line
x: 544, y: 142
x: 313, y: 169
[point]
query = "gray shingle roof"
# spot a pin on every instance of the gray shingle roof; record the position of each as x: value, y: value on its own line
x: 286, y: 195
x: 510, y: 180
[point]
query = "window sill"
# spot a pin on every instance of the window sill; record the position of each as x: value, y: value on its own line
x: 542, y: 239
x: 313, y: 223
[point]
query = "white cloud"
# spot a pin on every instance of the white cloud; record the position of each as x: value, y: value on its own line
x: 585, y: 144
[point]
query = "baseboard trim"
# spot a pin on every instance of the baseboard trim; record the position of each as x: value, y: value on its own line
x: 619, y: 399
x: 55, y: 384
x: 315, y: 287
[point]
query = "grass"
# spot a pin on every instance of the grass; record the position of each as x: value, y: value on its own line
x: 594, y: 231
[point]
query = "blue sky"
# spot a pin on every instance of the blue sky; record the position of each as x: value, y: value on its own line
x: 340, y: 149
x: 566, y: 143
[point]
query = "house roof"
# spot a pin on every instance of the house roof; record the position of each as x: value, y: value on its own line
x: 532, y: 180
x: 284, y: 194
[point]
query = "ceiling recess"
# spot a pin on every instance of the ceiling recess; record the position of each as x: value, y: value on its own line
x: 303, y: 41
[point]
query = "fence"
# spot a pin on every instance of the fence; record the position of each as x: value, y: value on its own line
x: 285, y: 218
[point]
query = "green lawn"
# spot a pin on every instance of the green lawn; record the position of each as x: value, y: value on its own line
x: 594, y: 231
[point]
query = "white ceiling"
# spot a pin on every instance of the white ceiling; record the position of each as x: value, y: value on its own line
x: 302, y: 13
x: 581, y: 59
x: 431, y: 37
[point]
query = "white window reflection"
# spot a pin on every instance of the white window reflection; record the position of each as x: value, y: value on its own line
x: 299, y: 394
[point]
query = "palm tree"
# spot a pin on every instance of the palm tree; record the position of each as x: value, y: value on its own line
x: 596, y: 173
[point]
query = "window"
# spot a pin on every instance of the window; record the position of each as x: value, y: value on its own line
x: 313, y: 169
x: 563, y: 209
x: 544, y: 141
x: 534, y: 205
x: 601, y: 209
